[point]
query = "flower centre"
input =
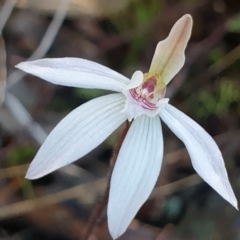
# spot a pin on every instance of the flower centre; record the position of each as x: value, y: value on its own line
x: 144, y: 95
x: 149, y: 92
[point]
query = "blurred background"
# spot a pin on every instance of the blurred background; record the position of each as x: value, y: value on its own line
x: 121, y: 35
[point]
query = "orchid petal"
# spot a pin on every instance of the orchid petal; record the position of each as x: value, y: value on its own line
x: 75, y: 72
x: 78, y: 133
x: 169, y: 55
x: 135, y: 173
x: 205, y: 155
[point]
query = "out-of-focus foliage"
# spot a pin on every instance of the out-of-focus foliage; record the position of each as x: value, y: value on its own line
x: 88, y: 95
x: 215, y: 54
x: 20, y: 155
x: 234, y: 24
x: 133, y: 20
x: 137, y: 15
x: 215, y: 101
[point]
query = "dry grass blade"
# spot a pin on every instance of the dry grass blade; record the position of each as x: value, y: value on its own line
x: 23, y: 117
x: 80, y: 192
x: 46, y: 41
x: 5, y: 12
x: 13, y: 171
x: 94, y: 8
x: 2, y: 70
x: 85, y: 196
x: 175, y: 186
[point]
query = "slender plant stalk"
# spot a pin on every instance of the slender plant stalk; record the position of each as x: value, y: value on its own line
x: 99, y: 209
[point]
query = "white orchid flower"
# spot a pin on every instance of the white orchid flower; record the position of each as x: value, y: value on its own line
x: 142, y: 98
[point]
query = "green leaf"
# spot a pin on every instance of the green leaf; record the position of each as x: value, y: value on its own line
x: 233, y: 25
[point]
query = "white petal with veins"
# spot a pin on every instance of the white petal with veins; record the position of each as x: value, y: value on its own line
x: 169, y: 55
x: 205, y: 155
x: 78, y: 133
x: 135, y: 172
x: 75, y: 72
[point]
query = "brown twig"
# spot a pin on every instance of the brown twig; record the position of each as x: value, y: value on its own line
x: 97, y: 212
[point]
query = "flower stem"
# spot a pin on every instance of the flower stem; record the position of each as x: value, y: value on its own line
x: 98, y: 211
